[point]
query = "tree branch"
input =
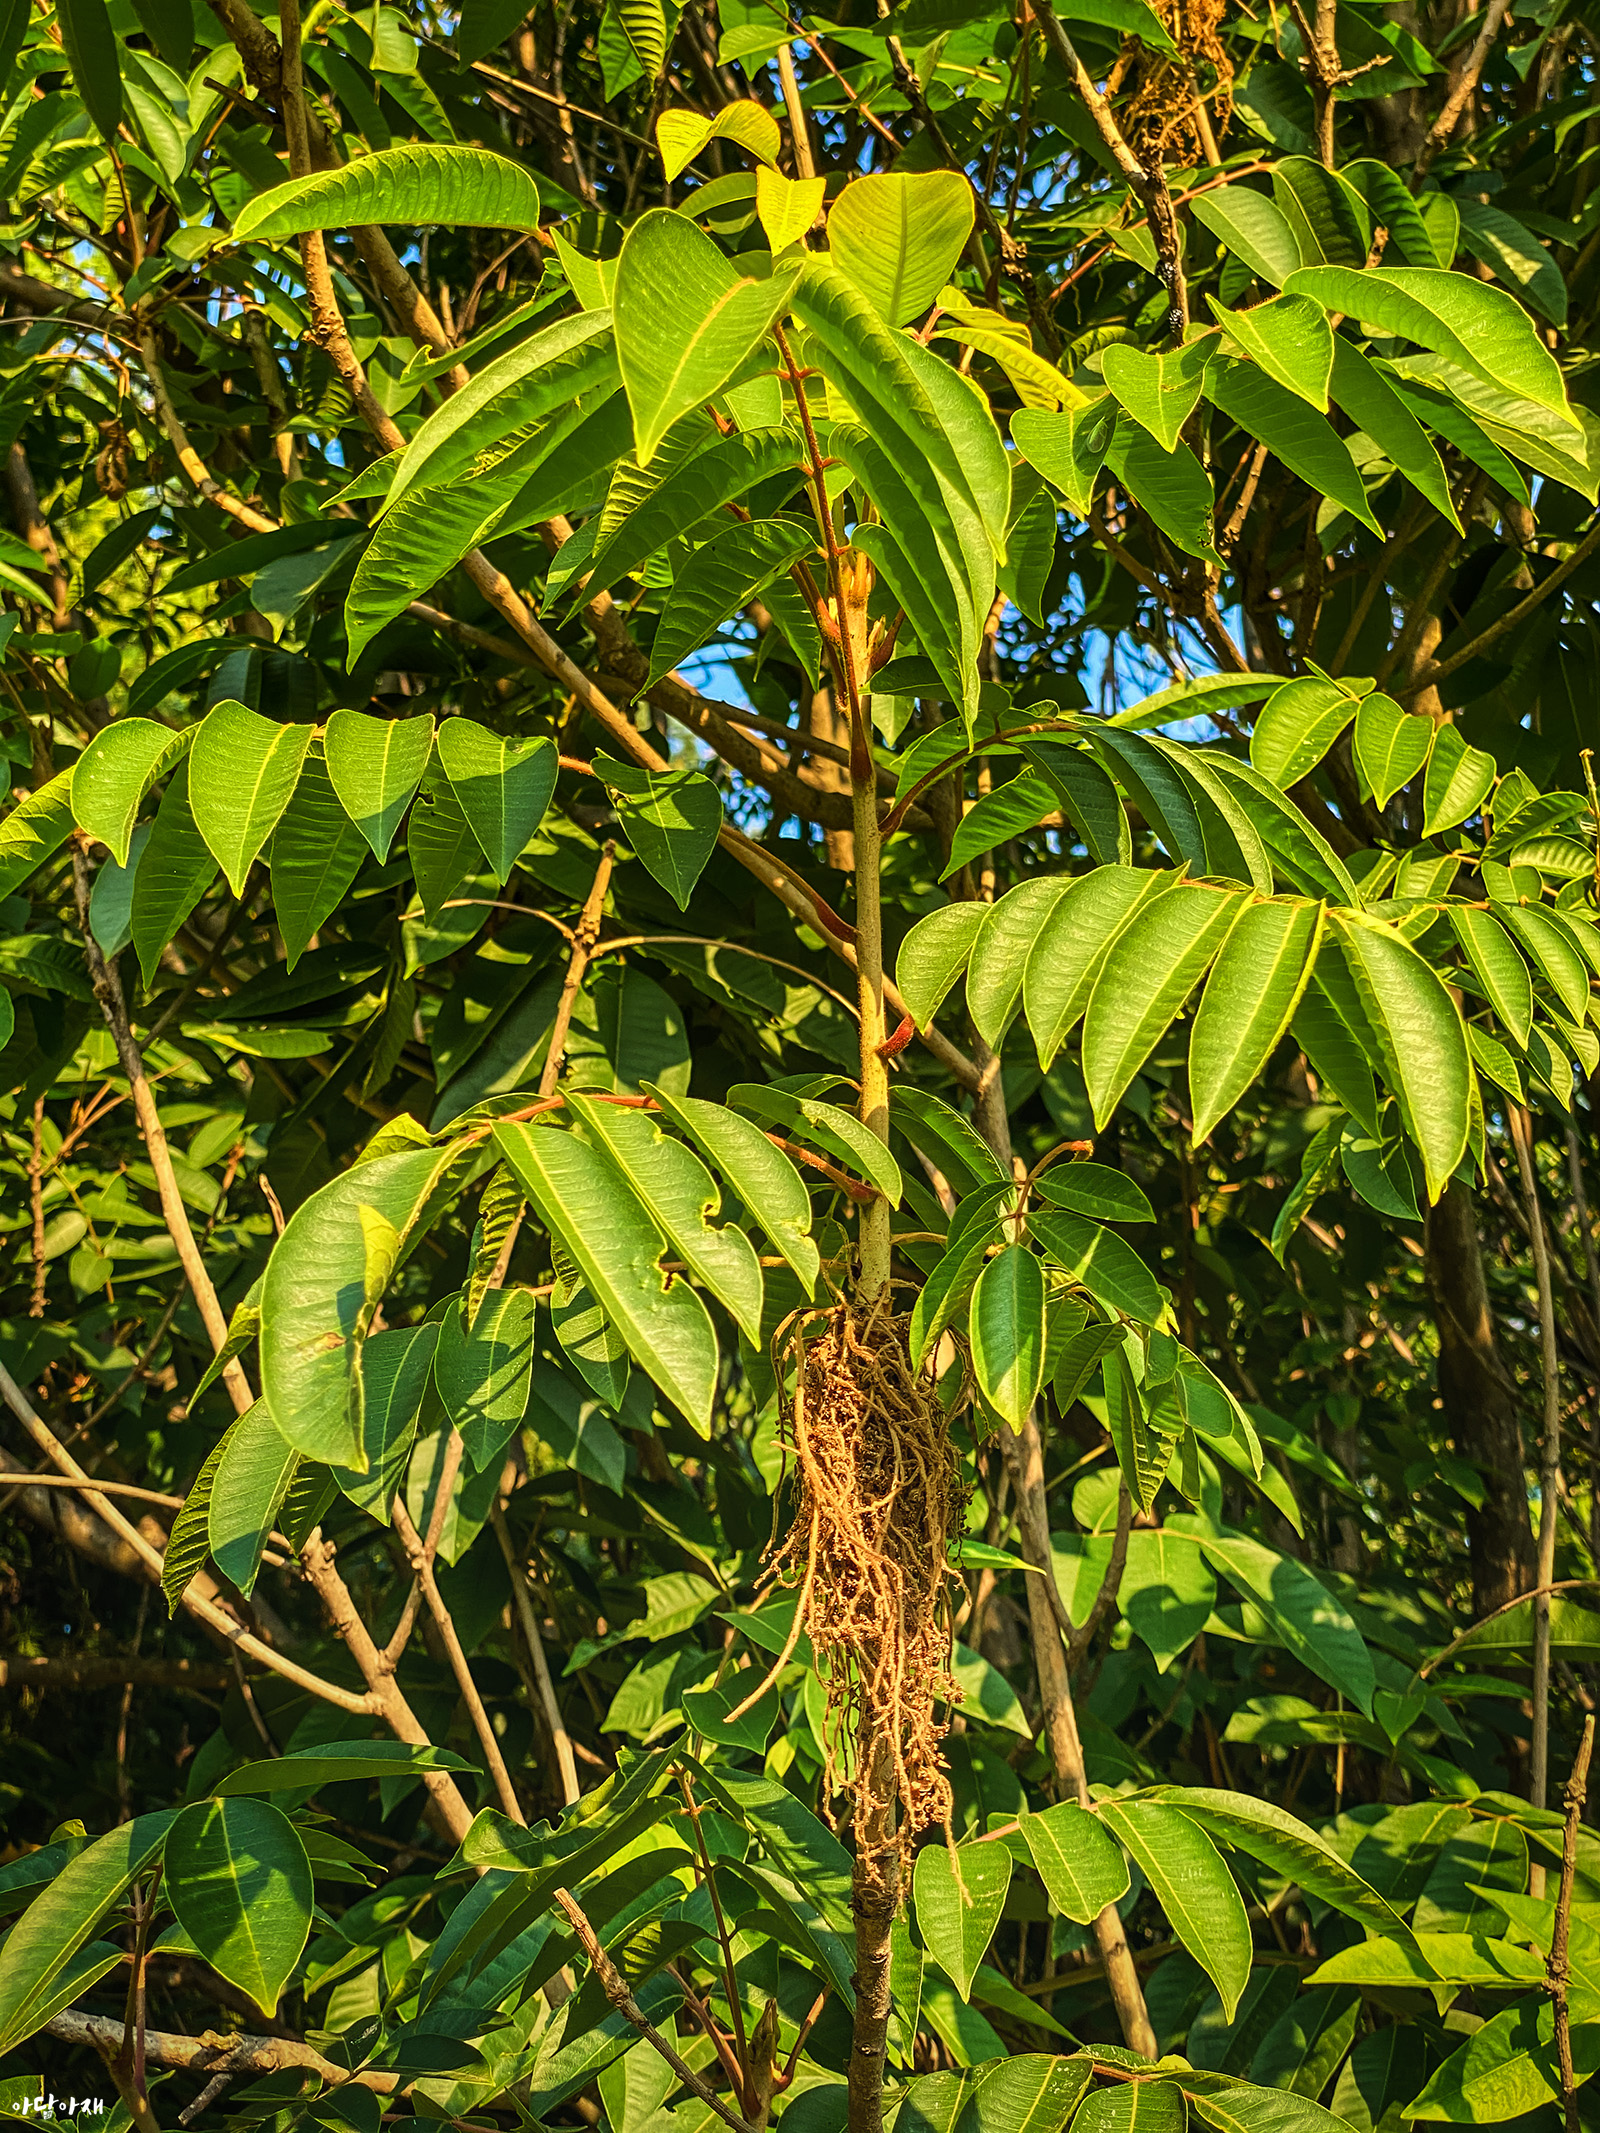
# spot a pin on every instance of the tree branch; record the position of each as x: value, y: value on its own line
x: 214, y: 2054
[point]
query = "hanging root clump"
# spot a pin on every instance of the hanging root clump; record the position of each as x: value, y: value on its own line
x: 1165, y: 119
x: 880, y: 1499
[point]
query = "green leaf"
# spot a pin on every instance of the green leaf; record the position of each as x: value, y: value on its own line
x: 959, y: 1904
x: 175, y: 870
x: 761, y: 1175
x: 898, y: 236
x: 1457, y: 783
x: 394, y: 1368
x: 334, y: 1762
x: 997, y: 817
x: 1110, y: 1269
x: 1193, y: 1887
x: 1328, y: 216
x: 1365, y: 394
x: 650, y: 512
x: 1501, y: 973
x: 421, y: 183
x: 1068, y: 448
x: 376, y: 764
x: 189, y: 1542
x: 1152, y: 968
x: 38, y: 825
x: 1167, y: 1593
x: 1231, y: 2106
x: 1391, y: 745
x: 1086, y: 796
x: 239, y: 1883
x: 317, y: 852
x: 1288, y: 1846
x: 94, y: 56
x: 1509, y: 2067
x: 946, y: 1288
x: 1298, y: 726
x: 483, y: 1376
x: 841, y: 1133
x: 1302, y: 1612
x: 316, y: 1304
x: 719, y: 580
x: 680, y: 135
x: 439, y: 841
x: 1253, y: 227
x: 934, y: 954
x: 1082, y: 1869
x: 1249, y: 1000
x: 1073, y: 945
x: 1141, y: 2106
x: 1426, y: 1060
x: 1550, y: 948
x: 552, y: 369
x: 1006, y: 1327
x: 1306, y: 442
x: 672, y: 820
x: 1512, y: 252
x: 57, y: 1923
x: 1160, y: 392
x: 114, y: 773
x: 685, y: 320
x: 680, y: 1194
x: 644, y: 25
x: 242, y: 770
x: 1093, y: 1189
x: 502, y: 786
x: 250, y: 1484
x: 1171, y: 488
x: 1289, y: 338
x: 582, y: 1199
x: 1465, y: 320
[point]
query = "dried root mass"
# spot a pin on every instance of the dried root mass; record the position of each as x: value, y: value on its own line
x: 1164, y: 116
x: 880, y: 1498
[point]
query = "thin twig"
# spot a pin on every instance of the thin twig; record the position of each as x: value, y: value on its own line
x: 1576, y: 1792
x: 615, y: 1987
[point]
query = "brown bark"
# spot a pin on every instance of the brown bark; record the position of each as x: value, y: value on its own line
x: 1480, y: 1405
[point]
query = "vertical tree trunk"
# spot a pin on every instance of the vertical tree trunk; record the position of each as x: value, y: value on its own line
x: 1480, y: 1403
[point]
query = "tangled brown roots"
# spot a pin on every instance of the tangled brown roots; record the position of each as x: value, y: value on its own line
x: 880, y: 1499
x: 1163, y: 117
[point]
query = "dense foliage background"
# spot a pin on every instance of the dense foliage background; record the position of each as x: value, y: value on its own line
x: 1356, y: 1204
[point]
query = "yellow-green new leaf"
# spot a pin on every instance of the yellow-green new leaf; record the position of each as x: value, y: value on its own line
x: 1160, y: 392
x: 898, y: 235
x: 680, y: 135
x: 786, y: 207
x: 761, y: 1175
x: 685, y: 320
